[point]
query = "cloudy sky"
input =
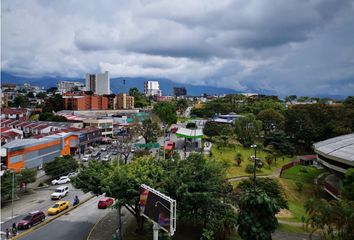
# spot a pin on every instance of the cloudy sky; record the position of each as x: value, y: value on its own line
x: 303, y: 47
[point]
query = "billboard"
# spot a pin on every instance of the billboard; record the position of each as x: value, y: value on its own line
x: 158, y: 208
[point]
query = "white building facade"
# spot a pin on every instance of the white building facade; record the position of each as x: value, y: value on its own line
x: 152, y: 88
x: 98, y: 83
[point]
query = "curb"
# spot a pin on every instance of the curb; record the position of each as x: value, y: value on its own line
x: 51, y: 219
x: 94, y: 226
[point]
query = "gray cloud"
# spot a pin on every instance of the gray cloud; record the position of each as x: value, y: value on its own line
x: 275, y: 45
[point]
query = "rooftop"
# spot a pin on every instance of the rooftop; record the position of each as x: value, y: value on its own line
x: 341, y: 147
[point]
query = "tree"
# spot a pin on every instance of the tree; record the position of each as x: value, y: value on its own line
x: 54, y: 103
x: 334, y: 219
x: 256, y: 219
x: 191, y: 125
x: 52, y: 90
x: 270, y: 186
x: 348, y: 185
x: 27, y: 175
x: 247, y: 129
x: 166, y: 111
x: 238, y: 159
x: 61, y: 166
x: 49, y: 116
x: 277, y: 143
x: 30, y: 95
x: 271, y: 120
x: 140, y: 100
x: 290, y: 98
x: 349, y: 100
x: 41, y: 95
x: 182, y: 104
x: 6, y: 185
x: 211, y: 129
x: 269, y: 160
x: 20, y: 101
x: 150, y: 131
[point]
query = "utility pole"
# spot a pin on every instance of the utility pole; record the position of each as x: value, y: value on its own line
x: 254, y: 166
x: 13, y: 194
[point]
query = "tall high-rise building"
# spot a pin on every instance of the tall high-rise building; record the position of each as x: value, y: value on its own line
x: 152, y: 88
x: 98, y: 83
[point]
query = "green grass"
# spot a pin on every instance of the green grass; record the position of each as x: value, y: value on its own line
x: 228, y: 155
x: 290, y: 228
x: 296, y: 174
x: 296, y: 199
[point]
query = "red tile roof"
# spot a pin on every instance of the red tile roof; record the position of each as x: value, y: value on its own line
x: 14, y: 111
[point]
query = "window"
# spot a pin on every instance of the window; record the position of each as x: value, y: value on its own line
x: 16, y: 159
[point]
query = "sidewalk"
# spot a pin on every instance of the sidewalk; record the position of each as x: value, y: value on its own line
x: 107, y: 226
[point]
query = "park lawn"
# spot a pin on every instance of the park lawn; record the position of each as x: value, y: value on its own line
x: 228, y: 155
x: 296, y: 199
x: 296, y: 174
x: 290, y: 228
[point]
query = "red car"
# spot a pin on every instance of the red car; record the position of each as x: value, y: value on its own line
x: 105, y: 202
x: 174, y: 130
x: 31, y: 219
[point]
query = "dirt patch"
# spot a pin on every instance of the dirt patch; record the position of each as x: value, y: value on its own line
x: 284, y: 213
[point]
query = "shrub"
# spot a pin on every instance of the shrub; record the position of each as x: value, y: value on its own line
x: 249, y: 168
x: 299, y: 186
x: 40, y: 184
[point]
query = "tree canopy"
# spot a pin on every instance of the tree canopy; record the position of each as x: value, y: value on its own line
x: 166, y: 111
x: 247, y: 129
x: 61, y: 166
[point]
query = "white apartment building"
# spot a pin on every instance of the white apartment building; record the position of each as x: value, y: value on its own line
x: 67, y: 86
x: 98, y: 83
x: 152, y: 88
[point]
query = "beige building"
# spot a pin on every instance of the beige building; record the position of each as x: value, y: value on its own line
x: 125, y: 101
x: 105, y: 124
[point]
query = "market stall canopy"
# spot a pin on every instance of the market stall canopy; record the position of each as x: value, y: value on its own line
x: 189, y: 133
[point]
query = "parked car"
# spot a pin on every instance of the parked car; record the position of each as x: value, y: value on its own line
x: 96, y: 154
x: 103, y: 149
x: 106, y: 157
x: 86, y: 157
x: 174, y: 130
x: 60, y: 192
x: 105, y: 202
x: 61, y: 180
x: 31, y: 219
x: 72, y: 174
x: 114, y: 152
x: 58, y: 207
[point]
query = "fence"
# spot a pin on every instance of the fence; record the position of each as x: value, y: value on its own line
x: 289, y: 165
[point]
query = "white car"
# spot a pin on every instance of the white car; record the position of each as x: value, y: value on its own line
x: 72, y: 174
x: 103, y: 149
x: 60, y: 192
x: 61, y: 180
x: 86, y: 158
x: 106, y: 158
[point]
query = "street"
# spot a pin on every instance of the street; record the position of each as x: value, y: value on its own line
x: 74, y: 225
x: 39, y: 200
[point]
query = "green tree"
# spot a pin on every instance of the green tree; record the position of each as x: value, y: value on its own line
x: 166, y: 111
x: 279, y: 142
x: 191, y: 125
x: 256, y: 219
x: 6, y: 185
x: 26, y: 176
x: 49, y: 116
x: 52, y: 90
x: 60, y: 166
x: 349, y: 100
x: 269, y: 160
x: 140, y: 100
x: 271, y: 120
x: 211, y: 129
x: 182, y: 104
x: 290, y: 98
x: 30, y: 95
x: 151, y: 131
x: 41, y: 95
x: 334, y: 219
x: 21, y: 101
x: 54, y: 103
x: 247, y: 129
x: 270, y: 186
x: 348, y: 185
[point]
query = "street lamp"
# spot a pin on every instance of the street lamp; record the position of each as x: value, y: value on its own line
x: 254, y: 165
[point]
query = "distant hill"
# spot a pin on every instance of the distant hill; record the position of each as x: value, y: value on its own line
x: 166, y: 85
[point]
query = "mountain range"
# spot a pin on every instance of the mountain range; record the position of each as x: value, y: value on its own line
x: 166, y: 85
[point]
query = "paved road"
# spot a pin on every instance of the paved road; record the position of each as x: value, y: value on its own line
x: 39, y: 200
x: 75, y: 225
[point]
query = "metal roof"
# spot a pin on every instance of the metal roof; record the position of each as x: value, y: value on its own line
x: 341, y: 147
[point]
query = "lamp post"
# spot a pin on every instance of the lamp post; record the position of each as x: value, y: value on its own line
x: 13, y: 194
x: 254, y: 165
